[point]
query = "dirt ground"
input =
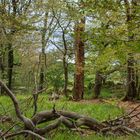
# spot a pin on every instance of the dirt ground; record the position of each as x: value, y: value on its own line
x: 128, y: 106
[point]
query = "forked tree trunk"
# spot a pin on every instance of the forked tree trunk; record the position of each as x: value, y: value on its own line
x: 79, y: 60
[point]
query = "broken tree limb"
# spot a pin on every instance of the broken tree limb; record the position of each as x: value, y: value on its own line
x: 27, y: 122
x: 24, y: 132
x: 71, y: 120
x: 14, y: 100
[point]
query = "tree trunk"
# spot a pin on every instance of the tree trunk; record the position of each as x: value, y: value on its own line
x: 131, y: 70
x: 43, y: 55
x: 138, y: 92
x: 98, y: 84
x: 10, y: 48
x: 79, y: 60
x: 137, y: 79
x: 1, y: 64
x: 131, y: 79
x: 42, y: 69
x: 65, y: 65
x: 1, y: 68
x: 1, y: 71
x: 41, y: 79
x: 10, y: 65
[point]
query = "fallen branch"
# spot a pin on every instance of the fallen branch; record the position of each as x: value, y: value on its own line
x: 24, y: 132
x: 71, y: 120
x: 3, y: 134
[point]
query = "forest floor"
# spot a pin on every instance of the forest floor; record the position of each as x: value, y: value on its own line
x: 100, y: 109
x: 127, y: 106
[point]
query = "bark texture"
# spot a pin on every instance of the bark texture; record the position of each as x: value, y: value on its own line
x: 42, y: 58
x: 131, y: 79
x: 10, y: 65
x: 98, y: 84
x: 79, y: 60
x: 131, y: 69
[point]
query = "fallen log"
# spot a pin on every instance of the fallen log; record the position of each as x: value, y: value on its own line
x: 71, y: 120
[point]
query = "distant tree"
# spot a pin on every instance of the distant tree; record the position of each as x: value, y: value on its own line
x: 63, y: 43
x: 11, y: 24
x: 131, y: 10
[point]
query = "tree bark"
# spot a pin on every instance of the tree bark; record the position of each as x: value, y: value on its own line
x: 131, y: 79
x: 10, y: 65
x: 137, y: 80
x: 79, y: 60
x: 98, y: 84
x: 10, y: 48
x: 65, y: 65
x: 41, y: 79
x: 131, y: 70
x: 1, y: 69
x: 1, y: 61
x: 43, y: 55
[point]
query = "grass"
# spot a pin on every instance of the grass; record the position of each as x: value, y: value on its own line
x: 106, y: 93
x: 70, y: 136
x: 100, y: 111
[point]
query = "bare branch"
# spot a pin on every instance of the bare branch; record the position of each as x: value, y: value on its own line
x: 24, y: 132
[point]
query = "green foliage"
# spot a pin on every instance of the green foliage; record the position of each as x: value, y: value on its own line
x: 107, y: 45
x: 55, y: 76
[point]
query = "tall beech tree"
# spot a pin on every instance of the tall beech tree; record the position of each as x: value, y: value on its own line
x: 79, y: 59
x: 64, y: 52
x: 49, y: 25
x: 10, y: 47
x: 131, y: 7
x: 42, y: 57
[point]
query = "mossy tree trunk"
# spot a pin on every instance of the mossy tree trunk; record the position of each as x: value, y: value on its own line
x: 79, y: 60
x: 131, y: 68
x: 43, y: 54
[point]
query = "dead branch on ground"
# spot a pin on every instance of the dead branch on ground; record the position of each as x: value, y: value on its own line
x: 118, y: 126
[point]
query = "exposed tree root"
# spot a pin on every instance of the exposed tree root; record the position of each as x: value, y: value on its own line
x: 119, y: 126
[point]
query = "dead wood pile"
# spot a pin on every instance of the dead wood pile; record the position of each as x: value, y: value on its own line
x: 122, y: 125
